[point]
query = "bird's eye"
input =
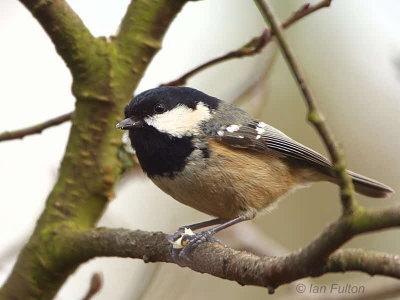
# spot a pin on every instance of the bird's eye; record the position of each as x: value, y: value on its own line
x: 159, y: 108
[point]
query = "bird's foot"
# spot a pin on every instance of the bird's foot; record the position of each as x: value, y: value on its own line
x: 176, y: 235
x: 183, y: 246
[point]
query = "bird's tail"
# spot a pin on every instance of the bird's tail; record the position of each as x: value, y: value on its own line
x: 362, y: 184
x: 369, y: 187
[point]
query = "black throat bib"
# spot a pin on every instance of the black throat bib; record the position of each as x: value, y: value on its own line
x: 160, y: 153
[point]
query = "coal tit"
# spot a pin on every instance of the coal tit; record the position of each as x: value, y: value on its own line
x: 214, y: 157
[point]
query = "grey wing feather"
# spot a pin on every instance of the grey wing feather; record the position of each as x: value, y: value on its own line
x: 258, y: 136
x: 261, y: 137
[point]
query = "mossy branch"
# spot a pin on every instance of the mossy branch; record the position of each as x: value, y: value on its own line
x: 73, y: 41
x: 103, y: 82
x: 319, y: 257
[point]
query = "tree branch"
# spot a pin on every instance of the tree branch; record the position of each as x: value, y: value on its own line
x: 253, y: 46
x: 370, y: 262
x: 73, y: 41
x: 314, y: 115
x: 105, y: 72
x: 126, y: 158
x: 318, y: 258
x: 149, y: 39
x: 21, y: 133
x: 103, y: 82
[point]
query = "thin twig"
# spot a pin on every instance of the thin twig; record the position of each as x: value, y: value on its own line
x: 20, y: 133
x: 314, y: 115
x: 253, y: 46
x: 96, y: 283
x: 305, y: 10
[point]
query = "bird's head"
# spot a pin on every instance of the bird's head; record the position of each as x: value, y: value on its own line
x: 177, y: 111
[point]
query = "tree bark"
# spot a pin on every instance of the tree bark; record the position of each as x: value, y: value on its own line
x: 105, y: 73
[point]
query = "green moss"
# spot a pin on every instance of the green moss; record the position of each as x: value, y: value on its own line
x: 361, y: 220
x: 105, y: 73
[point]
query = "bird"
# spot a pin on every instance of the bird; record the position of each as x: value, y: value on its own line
x: 214, y: 157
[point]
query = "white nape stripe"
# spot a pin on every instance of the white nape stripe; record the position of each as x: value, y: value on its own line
x: 181, y: 120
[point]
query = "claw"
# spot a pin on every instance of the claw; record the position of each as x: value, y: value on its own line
x: 183, y: 243
x: 191, y: 242
x: 174, y: 236
x: 179, y: 239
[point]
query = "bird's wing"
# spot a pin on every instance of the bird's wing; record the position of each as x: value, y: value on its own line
x: 261, y: 137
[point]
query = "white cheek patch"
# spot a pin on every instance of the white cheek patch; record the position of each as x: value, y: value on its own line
x: 181, y: 120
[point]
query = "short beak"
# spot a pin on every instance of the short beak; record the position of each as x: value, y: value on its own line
x: 129, y: 123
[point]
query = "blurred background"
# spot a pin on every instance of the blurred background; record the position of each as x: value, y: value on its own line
x: 350, y: 53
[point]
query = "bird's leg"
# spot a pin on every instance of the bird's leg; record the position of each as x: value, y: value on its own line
x: 197, y: 239
x: 173, y: 237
